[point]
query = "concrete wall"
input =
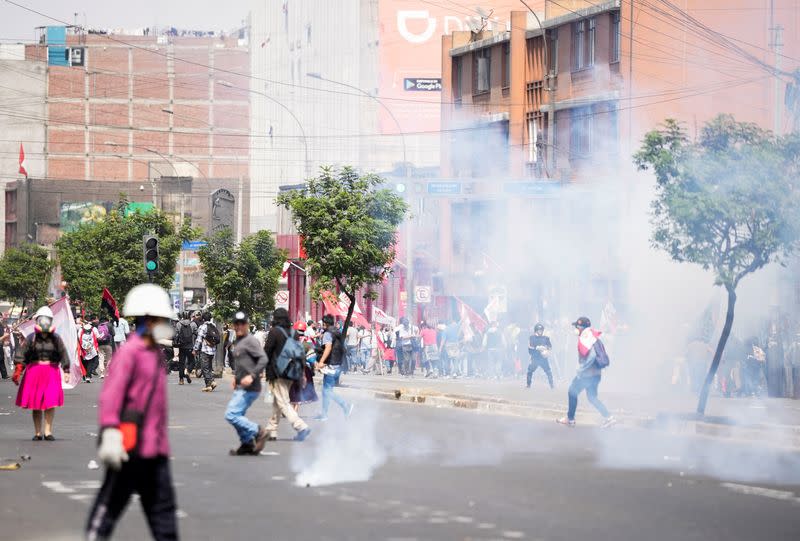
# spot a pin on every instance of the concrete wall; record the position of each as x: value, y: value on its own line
x: 22, y: 110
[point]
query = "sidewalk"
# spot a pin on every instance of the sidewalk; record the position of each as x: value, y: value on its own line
x: 773, y: 421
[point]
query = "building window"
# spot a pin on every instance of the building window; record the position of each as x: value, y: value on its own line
x: 506, y: 65
x: 583, y: 40
x: 552, y: 65
x: 615, y: 36
x: 581, y: 133
x: 481, y: 69
x: 456, y: 81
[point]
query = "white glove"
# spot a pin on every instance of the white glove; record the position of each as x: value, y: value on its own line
x: 111, y: 452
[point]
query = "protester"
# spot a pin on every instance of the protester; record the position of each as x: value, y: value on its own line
x: 539, y: 348
x: 89, y: 350
x: 261, y: 334
x: 330, y: 364
x: 38, y: 376
x: 390, y: 355
x: 205, y: 345
x: 184, y: 342
x: 279, y: 386
x: 105, y: 341
x: 430, y: 350
x: 352, y: 346
x: 250, y: 361
x: 302, y: 391
x: 121, y: 332
x: 452, y: 349
x: 591, y: 361
x: 405, y: 334
x: 132, y: 407
x: 493, y: 344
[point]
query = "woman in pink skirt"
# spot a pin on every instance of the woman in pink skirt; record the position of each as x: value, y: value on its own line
x: 40, y: 389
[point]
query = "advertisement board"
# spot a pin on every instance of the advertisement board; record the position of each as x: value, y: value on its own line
x: 73, y: 214
x: 410, y: 54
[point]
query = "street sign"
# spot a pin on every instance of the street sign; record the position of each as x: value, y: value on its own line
x: 282, y: 299
x: 417, y: 84
x: 535, y: 187
x: 422, y: 294
x: 444, y: 188
x: 193, y: 245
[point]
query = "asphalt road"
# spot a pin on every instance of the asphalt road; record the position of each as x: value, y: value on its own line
x: 402, y: 472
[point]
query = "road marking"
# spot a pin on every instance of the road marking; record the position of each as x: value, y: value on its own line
x: 513, y: 534
x: 485, y: 526
x: 783, y: 495
x: 57, y: 487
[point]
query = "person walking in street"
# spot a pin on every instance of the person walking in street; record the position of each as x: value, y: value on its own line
x: 133, y: 418
x: 89, y: 350
x: 302, y: 391
x: 592, y: 358
x: 39, y: 361
x: 430, y: 350
x: 539, y: 348
x: 279, y: 386
x: 406, y: 334
x: 494, y: 347
x: 121, y: 332
x: 249, y: 360
x: 330, y: 364
x: 206, y: 347
x: 105, y: 341
x: 184, y: 342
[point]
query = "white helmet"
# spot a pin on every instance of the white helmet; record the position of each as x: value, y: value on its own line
x: 44, y: 311
x: 148, y: 300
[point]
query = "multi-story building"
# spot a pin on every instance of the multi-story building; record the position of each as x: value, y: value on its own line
x: 537, y: 114
x: 141, y: 114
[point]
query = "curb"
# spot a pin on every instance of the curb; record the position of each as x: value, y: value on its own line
x: 782, y: 436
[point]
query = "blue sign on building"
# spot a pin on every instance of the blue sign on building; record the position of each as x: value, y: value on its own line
x: 444, y: 188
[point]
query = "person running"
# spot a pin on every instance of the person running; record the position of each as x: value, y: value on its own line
x: 40, y: 386
x: 184, y: 342
x: 89, y: 350
x: 591, y: 361
x: 133, y: 418
x: 330, y: 364
x: 539, y: 348
x: 302, y: 391
x: 279, y: 386
x: 206, y: 346
x: 249, y: 360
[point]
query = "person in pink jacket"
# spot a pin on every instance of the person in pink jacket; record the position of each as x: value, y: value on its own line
x: 132, y: 408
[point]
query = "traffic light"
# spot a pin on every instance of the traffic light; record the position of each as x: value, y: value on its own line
x: 150, y: 254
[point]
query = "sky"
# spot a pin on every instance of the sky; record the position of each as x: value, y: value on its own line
x: 18, y: 24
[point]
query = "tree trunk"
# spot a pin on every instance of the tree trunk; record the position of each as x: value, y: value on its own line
x: 723, y: 339
x: 350, y: 309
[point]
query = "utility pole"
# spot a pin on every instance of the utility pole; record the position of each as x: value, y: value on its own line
x: 776, y: 44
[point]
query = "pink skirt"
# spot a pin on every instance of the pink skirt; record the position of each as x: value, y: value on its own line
x: 40, y: 388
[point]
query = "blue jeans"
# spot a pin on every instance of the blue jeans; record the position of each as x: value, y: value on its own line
x: 589, y: 384
x: 328, y: 382
x: 234, y: 414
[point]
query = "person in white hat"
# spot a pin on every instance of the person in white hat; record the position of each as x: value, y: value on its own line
x: 89, y: 350
x: 134, y: 445
x: 40, y: 389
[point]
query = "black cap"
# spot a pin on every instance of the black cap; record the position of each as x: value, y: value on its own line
x: 240, y: 317
x: 582, y: 321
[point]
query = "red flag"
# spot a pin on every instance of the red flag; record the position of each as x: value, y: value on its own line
x: 285, y: 269
x: 110, y: 304
x: 22, y: 169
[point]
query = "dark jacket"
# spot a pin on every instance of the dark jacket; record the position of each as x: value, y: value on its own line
x: 535, y: 341
x: 273, y: 347
x: 44, y: 347
x: 249, y: 359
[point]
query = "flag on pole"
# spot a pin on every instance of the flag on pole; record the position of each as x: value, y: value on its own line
x: 22, y: 169
x: 66, y: 328
x: 110, y: 304
x: 285, y: 269
x: 467, y: 313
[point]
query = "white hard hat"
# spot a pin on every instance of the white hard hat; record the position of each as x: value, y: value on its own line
x: 148, y: 300
x: 44, y: 311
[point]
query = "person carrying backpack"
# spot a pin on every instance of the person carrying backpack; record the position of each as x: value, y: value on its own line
x: 206, y: 346
x: 282, y: 349
x: 184, y: 341
x: 105, y: 343
x: 330, y: 364
x: 592, y: 358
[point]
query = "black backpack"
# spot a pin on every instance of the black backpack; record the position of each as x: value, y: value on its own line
x: 212, y: 334
x: 602, y: 360
x: 183, y: 336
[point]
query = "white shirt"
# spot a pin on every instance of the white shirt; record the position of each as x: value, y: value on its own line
x: 121, y: 330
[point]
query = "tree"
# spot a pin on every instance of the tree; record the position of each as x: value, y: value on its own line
x: 727, y: 201
x: 109, y: 253
x: 348, y: 225
x: 243, y: 277
x: 25, y: 274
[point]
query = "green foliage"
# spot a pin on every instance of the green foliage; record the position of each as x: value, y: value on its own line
x: 25, y: 274
x: 727, y: 201
x: 109, y: 254
x: 348, y: 227
x: 243, y: 277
